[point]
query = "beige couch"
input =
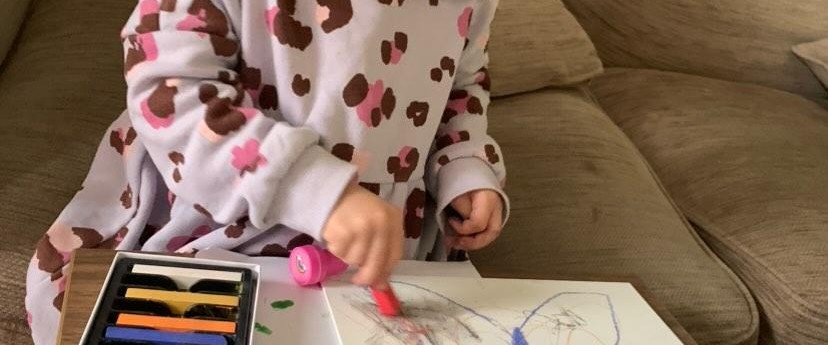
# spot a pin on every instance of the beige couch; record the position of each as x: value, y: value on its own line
x: 697, y: 161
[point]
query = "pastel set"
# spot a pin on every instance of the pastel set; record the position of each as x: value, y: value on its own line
x: 149, y: 301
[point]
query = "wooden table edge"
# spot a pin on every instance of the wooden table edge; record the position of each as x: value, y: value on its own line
x: 71, y: 305
x: 66, y: 296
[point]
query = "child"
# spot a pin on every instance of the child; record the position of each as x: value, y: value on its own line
x: 259, y: 126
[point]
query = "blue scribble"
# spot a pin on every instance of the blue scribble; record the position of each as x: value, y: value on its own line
x: 518, y: 338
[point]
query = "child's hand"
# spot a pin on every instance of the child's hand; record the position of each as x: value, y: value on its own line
x: 482, y: 212
x: 365, y: 231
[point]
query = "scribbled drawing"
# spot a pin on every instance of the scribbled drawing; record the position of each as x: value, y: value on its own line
x: 431, y: 318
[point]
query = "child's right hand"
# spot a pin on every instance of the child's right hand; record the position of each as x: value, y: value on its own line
x: 366, y: 231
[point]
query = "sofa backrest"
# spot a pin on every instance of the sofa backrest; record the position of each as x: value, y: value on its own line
x: 536, y: 44
x: 740, y: 40
x: 60, y: 87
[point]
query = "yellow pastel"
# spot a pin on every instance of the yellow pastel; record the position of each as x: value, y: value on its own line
x: 179, y: 301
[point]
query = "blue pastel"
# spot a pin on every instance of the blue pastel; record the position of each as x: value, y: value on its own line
x: 163, y: 338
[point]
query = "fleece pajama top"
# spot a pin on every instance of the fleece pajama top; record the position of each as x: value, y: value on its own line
x: 246, y: 120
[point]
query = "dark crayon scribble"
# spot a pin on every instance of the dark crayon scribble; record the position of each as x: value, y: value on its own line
x: 444, y: 321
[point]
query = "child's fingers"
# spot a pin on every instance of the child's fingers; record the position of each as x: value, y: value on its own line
x: 367, y: 275
x: 460, y: 227
x: 480, y: 240
x: 395, y: 252
x: 355, y: 253
x: 450, y: 241
x: 482, y: 206
x: 387, y: 249
x: 456, y: 224
x: 496, y: 221
x: 341, y: 248
x: 382, y: 284
x: 463, y: 205
x: 375, y: 263
x: 477, y: 241
x: 363, y: 277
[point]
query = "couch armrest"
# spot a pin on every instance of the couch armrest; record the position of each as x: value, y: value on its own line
x: 584, y: 202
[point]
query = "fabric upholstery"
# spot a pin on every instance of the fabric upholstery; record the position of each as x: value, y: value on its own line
x: 747, y: 165
x: 59, y: 92
x: 12, y: 13
x: 15, y: 256
x: 584, y: 202
x: 815, y: 54
x: 535, y: 44
x: 741, y: 40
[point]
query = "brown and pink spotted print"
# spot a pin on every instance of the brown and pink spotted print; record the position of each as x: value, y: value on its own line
x: 245, y: 121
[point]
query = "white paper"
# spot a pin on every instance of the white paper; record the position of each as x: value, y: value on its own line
x: 308, y: 321
x: 451, y: 311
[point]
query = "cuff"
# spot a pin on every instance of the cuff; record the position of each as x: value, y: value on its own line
x: 461, y: 176
x: 310, y: 190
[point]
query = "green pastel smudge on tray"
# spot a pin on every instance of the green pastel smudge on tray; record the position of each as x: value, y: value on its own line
x: 262, y: 329
x: 284, y: 304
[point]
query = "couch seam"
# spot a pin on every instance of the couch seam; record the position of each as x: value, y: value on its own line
x: 30, y: 6
x: 782, y: 322
x: 753, y: 330
x: 704, y: 223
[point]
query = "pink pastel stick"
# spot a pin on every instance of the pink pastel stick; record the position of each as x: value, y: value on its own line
x: 387, y: 302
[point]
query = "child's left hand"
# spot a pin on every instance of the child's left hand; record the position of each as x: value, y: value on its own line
x: 482, y: 212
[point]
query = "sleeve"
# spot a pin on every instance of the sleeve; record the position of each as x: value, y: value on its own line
x: 464, y: 157
x: 212, y: 146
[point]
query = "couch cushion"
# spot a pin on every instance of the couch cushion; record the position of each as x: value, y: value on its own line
x: 538, y: 43
x: 584, y: 202
x: 13, y: 327
x: 12, y: 13
x: 59, y: 91
x: 815, y: 55
x: 747, y: 165
x: 741, y: 40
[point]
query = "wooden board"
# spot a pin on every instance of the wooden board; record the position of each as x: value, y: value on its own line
x: 87, y: 273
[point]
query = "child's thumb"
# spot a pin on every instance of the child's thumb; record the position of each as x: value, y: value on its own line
x: 463, y: 205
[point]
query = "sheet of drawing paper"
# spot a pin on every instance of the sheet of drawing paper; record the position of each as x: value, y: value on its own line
x: 289, y: 314
x: 449, y: 311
